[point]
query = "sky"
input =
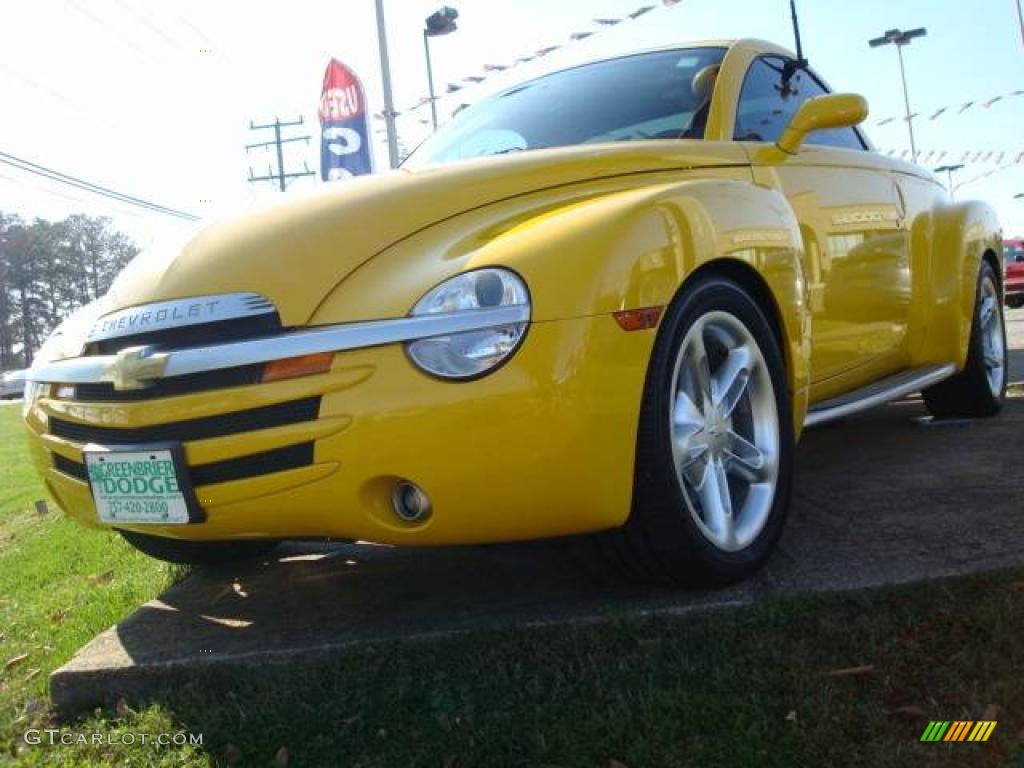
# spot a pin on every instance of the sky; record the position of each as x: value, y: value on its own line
x: 155, y: 97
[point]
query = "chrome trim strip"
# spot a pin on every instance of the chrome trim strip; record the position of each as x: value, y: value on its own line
x: 178, y: 313
x: 132, y: 367
x: 878, y: 394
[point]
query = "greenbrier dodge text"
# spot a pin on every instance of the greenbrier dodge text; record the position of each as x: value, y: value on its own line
x: 154, y: 478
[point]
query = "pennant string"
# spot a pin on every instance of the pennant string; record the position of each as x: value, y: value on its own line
x: 603, y: 23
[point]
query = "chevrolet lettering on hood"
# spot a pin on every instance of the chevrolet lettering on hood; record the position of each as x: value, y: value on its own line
x: 564, y: 314
x: 177, y: 314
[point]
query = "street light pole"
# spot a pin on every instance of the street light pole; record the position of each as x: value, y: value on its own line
x: 441, y: 22
x: 389, y: 103
x: 950, y: 170
x: 430, y: 80
x: 906, y: 102
x: 899, y: 39
x: 1020, y: 18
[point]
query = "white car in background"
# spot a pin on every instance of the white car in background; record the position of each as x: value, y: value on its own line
x: 12, y: 385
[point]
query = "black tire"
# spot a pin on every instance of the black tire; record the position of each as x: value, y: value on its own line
x: 969, y: 393
x: 661, y: 540
x: 197, y: 552
x: 1015, y: 302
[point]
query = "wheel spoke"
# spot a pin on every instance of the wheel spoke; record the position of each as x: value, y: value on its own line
x: 716, y: 500
x: 988, y: 309
x: 993, y: 359
x: 731, y: 379
x: 689, y: 442
x: 744, y: 459
x: 686, y: 413
x: 689, y: 448
x: 701, y: 372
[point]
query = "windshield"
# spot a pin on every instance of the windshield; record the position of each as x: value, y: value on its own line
x: 664, y: 95
x: 1014, y: 253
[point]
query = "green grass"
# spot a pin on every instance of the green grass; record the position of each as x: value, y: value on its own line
x: 59, y: 584
x: 739, y: 687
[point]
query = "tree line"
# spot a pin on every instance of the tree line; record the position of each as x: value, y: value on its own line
x: 47, y: 270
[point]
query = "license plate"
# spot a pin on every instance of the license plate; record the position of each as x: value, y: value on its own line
x: 141, y: 485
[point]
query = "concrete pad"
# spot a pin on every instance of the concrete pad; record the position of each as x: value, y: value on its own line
x: 884, y: 498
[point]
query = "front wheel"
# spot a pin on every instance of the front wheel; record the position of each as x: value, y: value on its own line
x: 980, y: 388
x: 715, y: 446
x: 196, y: 552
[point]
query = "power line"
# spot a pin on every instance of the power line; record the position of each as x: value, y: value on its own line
x: 280, y: 176
x: 195, y: 29
x: 105, y: 28
x: 88, y: 186
x: 57, y: 96
x: 141, y: 18
x: 121, y: 209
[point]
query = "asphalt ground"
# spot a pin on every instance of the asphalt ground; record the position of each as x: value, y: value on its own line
x: 882, y: 498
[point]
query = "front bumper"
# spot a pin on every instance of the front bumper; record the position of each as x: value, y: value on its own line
x: 542, y: 447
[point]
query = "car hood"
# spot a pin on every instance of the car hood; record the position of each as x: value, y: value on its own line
x: 296, y: 252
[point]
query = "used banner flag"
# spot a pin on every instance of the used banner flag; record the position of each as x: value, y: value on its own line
x: 345, y: 134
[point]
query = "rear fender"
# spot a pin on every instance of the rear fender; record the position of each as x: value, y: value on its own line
x: 963, y: 232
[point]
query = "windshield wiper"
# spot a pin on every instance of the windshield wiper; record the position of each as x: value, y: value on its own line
x: 508, y: 151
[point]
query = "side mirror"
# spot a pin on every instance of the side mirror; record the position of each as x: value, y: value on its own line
x: 834, y: 110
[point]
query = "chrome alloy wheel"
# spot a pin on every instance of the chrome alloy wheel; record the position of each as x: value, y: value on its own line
x: 993, y: 340
x: 724, y: 428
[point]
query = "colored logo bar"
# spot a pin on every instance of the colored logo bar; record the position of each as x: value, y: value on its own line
x: 958, y: 730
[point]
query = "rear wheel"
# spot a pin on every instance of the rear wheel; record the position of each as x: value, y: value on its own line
x: 980, y: 388
x: 715, y: 443
x: 196, y: 552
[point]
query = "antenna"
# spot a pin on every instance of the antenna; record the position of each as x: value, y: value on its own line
x: 800, y: 60
x: 792, y: 67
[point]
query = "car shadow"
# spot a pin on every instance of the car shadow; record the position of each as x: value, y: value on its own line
x: 1016, y: 367
x: 887, y: 497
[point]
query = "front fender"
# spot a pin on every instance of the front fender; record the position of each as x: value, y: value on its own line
x: 963, y: 232
x: 594, y: 251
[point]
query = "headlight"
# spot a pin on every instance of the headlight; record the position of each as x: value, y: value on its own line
x: 58, y: 346
x: 472, y: 353
x: 33, y: 391
x: 68, y: 339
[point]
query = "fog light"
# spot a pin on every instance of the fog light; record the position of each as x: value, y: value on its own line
x: 410, y: 503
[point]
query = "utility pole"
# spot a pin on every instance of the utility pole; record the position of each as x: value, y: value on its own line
x: 385, y: 71
x: 280, y: 175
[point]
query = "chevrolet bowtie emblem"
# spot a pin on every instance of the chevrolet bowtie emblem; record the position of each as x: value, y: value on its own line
x: 134, y: 368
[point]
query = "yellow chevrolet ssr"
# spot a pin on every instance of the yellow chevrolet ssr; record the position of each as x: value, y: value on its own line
x: 605, y: 301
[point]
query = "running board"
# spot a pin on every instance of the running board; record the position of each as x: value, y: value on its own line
x: 879, y: 393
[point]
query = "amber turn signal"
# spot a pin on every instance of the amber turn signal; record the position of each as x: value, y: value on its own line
x: 638, y: 319
x: 294, y: 367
